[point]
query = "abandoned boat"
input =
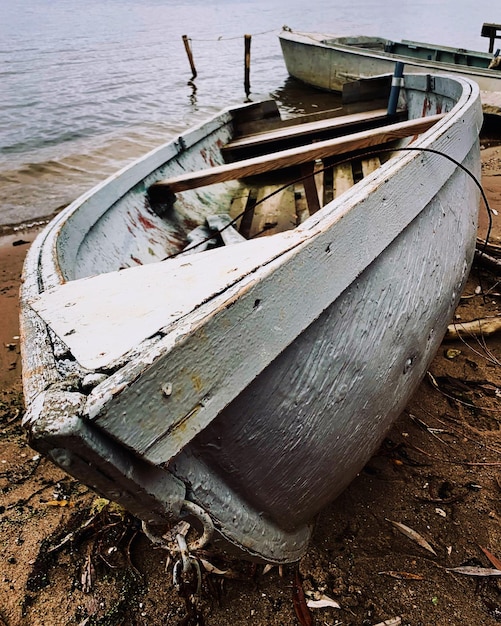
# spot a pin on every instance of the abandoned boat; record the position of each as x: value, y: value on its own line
x: 328, y: 62
x: 243, y: 386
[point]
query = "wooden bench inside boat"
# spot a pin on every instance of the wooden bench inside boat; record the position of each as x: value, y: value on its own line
x: 287, y: 135
x: 293, y: 157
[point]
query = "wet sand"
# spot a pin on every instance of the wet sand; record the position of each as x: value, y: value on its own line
x: 13, y: 249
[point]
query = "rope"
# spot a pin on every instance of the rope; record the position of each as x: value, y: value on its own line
x: 221, y: 38
x: 188, y: 508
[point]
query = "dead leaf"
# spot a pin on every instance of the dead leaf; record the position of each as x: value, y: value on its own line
x: 88, y: 575
x: 412, y: 534
x: 475, y: 571
x: 67, y: 503
x: 393, y: 621
x: 494, y: 560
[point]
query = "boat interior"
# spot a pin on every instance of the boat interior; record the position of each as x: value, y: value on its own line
x: 288, y: 169
x: 267, y: 173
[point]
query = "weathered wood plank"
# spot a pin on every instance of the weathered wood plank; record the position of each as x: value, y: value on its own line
x: 246, y: 221
x: 328, y: 182
x: 263, y: 126
x: 370, y: 165
x: 276, y: 213
x: 318, y: 177
x: 296, y: 156
x: 306, y: 128
x: 310, y: 187
x: 343, y: 178
x: 238, y: 205
x: 302, y: 212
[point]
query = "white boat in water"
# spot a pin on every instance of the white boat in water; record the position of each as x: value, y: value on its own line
x: 329, y: 62
x: 243, y: 386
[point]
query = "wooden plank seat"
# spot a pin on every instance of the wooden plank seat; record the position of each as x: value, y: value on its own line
x: 291, y: 157
x: 289, y: 136
x: 270, y: 118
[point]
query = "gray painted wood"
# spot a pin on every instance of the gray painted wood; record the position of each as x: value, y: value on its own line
x: 258, y: 378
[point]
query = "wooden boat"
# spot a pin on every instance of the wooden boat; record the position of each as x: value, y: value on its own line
x: 328, y: 61
x: 245, y: 386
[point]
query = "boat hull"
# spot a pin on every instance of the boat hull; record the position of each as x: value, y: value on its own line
x: 327, y: 63
x: 263, y: 401
x: 314, y: 408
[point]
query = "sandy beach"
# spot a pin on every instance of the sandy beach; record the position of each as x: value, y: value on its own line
x: 13, y: 248
x: 68, y: 558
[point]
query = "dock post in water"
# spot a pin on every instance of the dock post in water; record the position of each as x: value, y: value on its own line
x: 396, y: 83
x: 247, y: 39
x: 187, y: 47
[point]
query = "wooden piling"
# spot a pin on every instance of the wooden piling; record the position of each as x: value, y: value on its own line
x: 247, y: 40
x: 493, y: 32
x: 187, y: 47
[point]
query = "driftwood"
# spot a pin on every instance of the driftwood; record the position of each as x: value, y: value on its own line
x: 489, y: 247
x: 478, y: 328
x: 488, y: 261
x: 495, y: 64
x: 494, y: 249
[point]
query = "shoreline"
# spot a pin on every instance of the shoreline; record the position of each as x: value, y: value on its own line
x: 7, y: 230
x: 13, y: 249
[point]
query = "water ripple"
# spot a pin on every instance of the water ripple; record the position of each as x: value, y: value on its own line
x: 86, y: 88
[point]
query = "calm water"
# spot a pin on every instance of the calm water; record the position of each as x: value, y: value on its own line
x: 87, y: 86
